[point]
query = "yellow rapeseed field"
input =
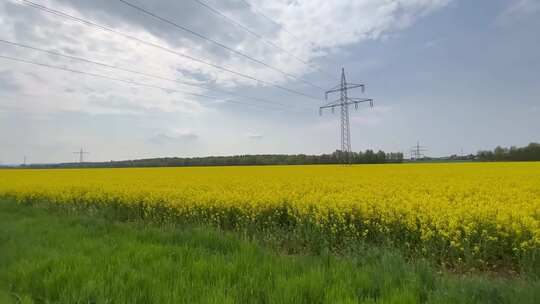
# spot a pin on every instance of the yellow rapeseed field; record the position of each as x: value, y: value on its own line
x: 481, y: 212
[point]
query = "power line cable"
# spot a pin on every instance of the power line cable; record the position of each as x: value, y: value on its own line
x: 206, y: 38
x: 258, y: 12
x: 128, y: 81
x: 260, y: 37
x: 135, y: 72
x: 163, y: 48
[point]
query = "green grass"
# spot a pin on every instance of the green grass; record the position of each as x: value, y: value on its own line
x: 53, y: 257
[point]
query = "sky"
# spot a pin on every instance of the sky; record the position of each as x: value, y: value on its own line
x: 454, y: 75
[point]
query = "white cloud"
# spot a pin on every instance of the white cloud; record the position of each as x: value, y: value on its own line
x: 334, y: 24
x: 176, y: 137
x: 372, y: 117
x: 517, y: 9
x: 523, y: 7
x: 141, y: 121
x: 313, y: 23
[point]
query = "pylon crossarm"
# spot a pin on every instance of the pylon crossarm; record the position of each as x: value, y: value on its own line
x: 357, y: 100
x: 334, y: 103
x: 334, y: 88
x: 348, y: 86
x: 332, y: 91
x: 354, y: 86
x: 328, y: 107
x: 360, y: 100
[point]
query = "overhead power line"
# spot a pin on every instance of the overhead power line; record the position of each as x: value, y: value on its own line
x: 163, y: 48
x: 206, y: 38
x: 258, y: 12
x: 259, y: 37
x: 136, y: 72
x: 279, y: 25
x: 128, y: 81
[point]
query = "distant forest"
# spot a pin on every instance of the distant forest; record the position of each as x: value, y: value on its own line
x: 528, y: 153
x: 367, y: 157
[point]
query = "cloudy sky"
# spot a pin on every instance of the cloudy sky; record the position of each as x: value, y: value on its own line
x: 453, y: 74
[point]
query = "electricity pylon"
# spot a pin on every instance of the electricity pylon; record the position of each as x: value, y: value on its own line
x: 417, y: 152
x: 81, y: 155
x: 343, y: 102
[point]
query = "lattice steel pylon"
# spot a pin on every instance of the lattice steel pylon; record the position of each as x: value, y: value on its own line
x: 417, y: 151
x: 81, y: 155
x: 343, y: 102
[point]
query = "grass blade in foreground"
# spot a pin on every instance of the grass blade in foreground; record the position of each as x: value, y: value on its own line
x: 53, y: 258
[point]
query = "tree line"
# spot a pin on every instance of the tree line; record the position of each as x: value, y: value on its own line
x: 527, y: 153
x: 337, y: 157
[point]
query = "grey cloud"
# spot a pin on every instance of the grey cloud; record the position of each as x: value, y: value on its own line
x: 166, y: 139
x: 115, y: 102
x: 36, y: 31
x: 69, y: 51
x: 119, y: 16
x: 184, y: 13
x: 8, y: 83
x: 255, y: 136
x: 197, y: 76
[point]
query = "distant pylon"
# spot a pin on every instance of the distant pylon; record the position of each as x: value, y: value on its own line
x: 81, y: 155
x: 343, y: 102
x: 417, y: 151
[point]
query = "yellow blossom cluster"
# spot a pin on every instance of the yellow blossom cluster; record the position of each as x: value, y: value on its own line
x: 478, y: 211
